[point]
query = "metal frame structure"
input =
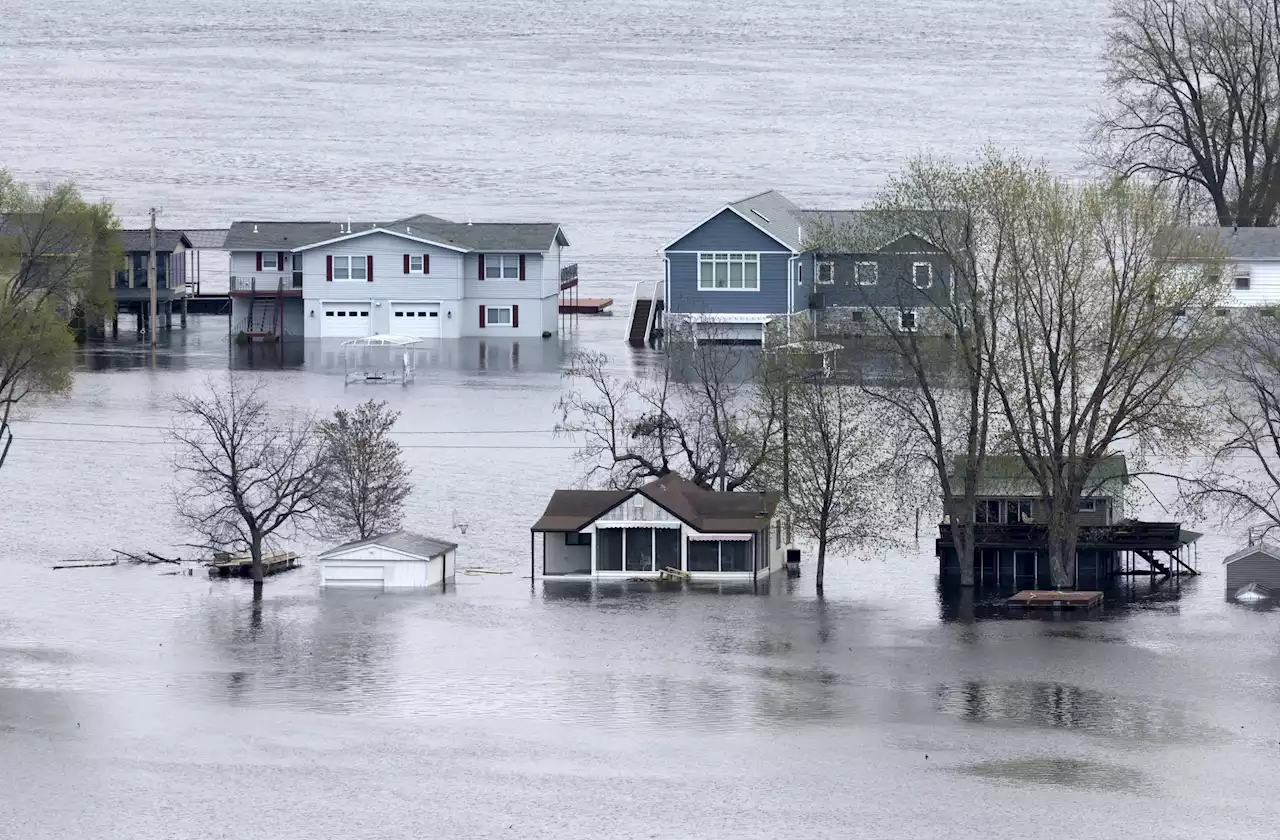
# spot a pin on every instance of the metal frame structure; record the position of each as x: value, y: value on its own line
x: 379, y: 359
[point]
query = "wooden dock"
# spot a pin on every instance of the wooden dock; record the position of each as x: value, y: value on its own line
x: 584, y: 306
x: 1055, y: 599
x: 241, y: 565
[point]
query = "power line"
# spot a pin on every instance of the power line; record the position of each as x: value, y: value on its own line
x: 166, y: 428
x: 165, y: 442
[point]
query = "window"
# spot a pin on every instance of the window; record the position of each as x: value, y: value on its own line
x: 868, y: 273
x: 502, y: 266
x: 1017, y: 512
x: 1088, y: 505
x: 922, y: 274
x: 349, y: 268
x: 415, y: 264
x: 497, y: 316
x: 297, y: 262
x: 1222, y: 313
x: 577, y: 539
x: 826, y: 273
x: 609, y: 550
x: 858, y: 316
x: 269, y: 261
x: 720, y: 556
x: 1242, y: 282
x: 907, y: 320
x: 988, y: 510
x: 728, y: 272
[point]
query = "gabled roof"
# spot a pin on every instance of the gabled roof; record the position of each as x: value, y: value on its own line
x: 405, y: 541
x: 459, y: 236
x: 708, y: 511
x: 770, y: 212
x: 488, y: 236
x: 1247, y: 244
x: 140, y: 240
x: 408, y: 235
x: 210, y: 238
x: 1263, y: 549
x: 282, y: 236
x: 1008, y: 475
x: 869, y: 231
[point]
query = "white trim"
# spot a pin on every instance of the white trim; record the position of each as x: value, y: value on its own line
x: 275, y: 257
x: 699, y: 535
x: 927, y: 265
x: 364, y: 265
x: 397, y: 234
x: 723, y: 318
x: 422, y: 264
x: 857, y: 278
x: 340, y: 554
x: 501, y: 265
x: 635, y: 523
x: 737, y: 213
x: 915, y: 318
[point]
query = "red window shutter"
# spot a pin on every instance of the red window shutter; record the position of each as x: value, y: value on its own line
x: 481, y: 317
x: 426, y: 263
x: 480, y: 260
x: 279, y: 260
x: 406, y: 263
x: 370, y: 272
x: 328, y: 268
x: 522, y: 266
x: 259, y: 261
x: 515, y: 311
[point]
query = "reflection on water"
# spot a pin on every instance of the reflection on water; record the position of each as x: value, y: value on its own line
x: 1063, y: 772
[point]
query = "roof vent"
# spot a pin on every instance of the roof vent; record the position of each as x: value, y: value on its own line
x: 468, y: 221
x: 255, y: 227
x: 761, y: 215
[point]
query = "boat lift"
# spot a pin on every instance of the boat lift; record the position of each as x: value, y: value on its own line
x: 387, y: 359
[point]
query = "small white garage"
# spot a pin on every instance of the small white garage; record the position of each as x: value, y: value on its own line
x: 400, y: 560
x: 345, y: 320
x: 419, y: 320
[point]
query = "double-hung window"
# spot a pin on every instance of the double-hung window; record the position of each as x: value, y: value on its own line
x: 350, y: 268
x: 415, y: 264
x: 502, y: 266
x: 826, y: 273
x: 270, y: 261
x: 728, y: 272
x: 868, y: 273
x: 922, y: 274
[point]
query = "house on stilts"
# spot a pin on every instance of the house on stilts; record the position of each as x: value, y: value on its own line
x: 1012, y: 535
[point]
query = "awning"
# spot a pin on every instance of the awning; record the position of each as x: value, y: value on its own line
x: 722, y: 537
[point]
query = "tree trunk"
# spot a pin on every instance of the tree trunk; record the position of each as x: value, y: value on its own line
x: 822, y: 561
x: 1062, y: 549
x: 255, y: 553
x: 962, y: 538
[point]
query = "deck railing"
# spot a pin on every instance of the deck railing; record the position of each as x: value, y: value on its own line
x: 1161, y: 536
x: 267, y: 285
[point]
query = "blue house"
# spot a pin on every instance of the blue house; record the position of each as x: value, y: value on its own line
x: 764, y: 261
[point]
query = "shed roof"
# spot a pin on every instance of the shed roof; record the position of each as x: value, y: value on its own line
x: 135, y: 239
x: 1248, y: 243
x: 1262, y: 549
x: 406, y: 541
x: 704, y: 510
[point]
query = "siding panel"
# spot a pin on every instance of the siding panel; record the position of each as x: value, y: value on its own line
x: 727, y: 231
x: 770, y: 299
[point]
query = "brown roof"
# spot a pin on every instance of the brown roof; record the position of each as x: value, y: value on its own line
x: 709, y: 511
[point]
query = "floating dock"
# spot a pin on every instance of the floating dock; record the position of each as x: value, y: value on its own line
x: 584, y: 306
x: 241, y: 565
x: 1055, y: 599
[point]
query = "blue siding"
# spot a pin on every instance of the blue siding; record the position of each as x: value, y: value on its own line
x: 804, y: 288
x: 727, y: 231
x: 894, y: 286
x: 771, y: 299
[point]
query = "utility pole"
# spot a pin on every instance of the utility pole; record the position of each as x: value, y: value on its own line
x: 151, y: 279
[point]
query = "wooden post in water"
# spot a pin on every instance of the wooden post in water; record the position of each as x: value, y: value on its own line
x: 151, y: 279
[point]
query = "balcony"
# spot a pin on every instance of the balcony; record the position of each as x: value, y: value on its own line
x: 1129, y: 535
x: 288, y: 284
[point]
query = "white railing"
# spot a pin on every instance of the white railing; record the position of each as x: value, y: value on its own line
x: 653, y: 295
x: 268, y: 282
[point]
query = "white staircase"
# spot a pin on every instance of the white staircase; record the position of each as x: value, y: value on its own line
x: 645, y: 309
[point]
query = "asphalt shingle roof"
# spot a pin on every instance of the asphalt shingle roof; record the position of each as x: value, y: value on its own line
x: 140, y: 240
x: 708, y: 511
x: 210, y: 238
x: 1008, y: 475
x: 405, y: 541
x: 478, y: 236
x: 1258, y: 243
x: 774, y: 212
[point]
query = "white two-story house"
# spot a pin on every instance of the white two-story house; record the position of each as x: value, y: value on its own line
x: 421, y: 276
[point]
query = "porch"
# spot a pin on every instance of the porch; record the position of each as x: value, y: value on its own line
x: 642, y: 551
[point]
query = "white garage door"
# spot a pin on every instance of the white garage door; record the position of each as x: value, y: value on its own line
x: 420, y: 320
x: 345, y: 320
x: 353, y: 574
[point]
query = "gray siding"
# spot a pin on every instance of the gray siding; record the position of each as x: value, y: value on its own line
x: 769, y: 299
x: 894, y: 287
x: 1259, y: 569
x: 538, y: 283
x: 806, y: 265
x: 727, y: 231
x: 1039, y: 512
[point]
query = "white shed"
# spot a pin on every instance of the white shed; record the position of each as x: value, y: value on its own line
x: 400, y: 560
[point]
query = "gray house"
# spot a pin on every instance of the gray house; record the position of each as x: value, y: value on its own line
x: 1253, y: 572
x: 132, y: 288
x: 765, y: 261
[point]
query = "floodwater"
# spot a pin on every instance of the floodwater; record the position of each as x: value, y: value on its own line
x: 135, y: 704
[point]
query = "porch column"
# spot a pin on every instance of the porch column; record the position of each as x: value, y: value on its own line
x: 532, y: 551
x: 595, y: 544
x: 684, y: 549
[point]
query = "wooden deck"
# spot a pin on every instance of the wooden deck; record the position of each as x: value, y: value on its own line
x: 585, y: 306
x: 1055, y: 599
x: 241, y: 565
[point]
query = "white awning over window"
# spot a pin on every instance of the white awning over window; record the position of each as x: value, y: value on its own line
x: 721, y: 537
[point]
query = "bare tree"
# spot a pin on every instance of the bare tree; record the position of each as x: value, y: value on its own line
x: 1105, y: 316
x: 57, y: 254
x: 846, y: 469
x: 1240, y: 477
x: 366, y: 480
x: 1196, y: 85
x: 244, y: 476
x: 959, y: 213
x: 713, y: 413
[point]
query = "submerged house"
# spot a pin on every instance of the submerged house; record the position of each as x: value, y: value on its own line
x: 1011, y: 534
x: 669, y: 522
x: 398, y: 560
x: 763, y: 260
x: 421, y: 276
x: 132, y: 280
x: 1253, y: 572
